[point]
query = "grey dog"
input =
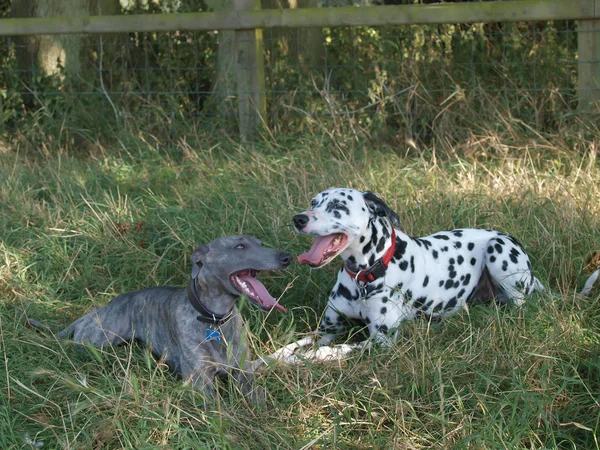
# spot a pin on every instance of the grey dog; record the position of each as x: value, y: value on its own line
x: 197, y: 330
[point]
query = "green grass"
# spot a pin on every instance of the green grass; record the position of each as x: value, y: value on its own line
x: 82, y: 224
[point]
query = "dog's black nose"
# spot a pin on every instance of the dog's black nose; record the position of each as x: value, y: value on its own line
x: 300, y: 220
x: 286, y: 259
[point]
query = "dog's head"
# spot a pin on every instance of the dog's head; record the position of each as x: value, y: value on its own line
x: 233, y: 262
x: 337, y: 218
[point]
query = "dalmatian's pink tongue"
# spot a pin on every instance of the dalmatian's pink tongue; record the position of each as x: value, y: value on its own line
x: 322, y: 248
x: 258, y: 292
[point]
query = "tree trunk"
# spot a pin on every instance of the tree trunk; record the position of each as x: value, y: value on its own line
x: 49, y: 54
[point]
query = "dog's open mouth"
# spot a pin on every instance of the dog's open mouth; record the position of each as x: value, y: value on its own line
x: 245, y: 281
x: 324, y: 249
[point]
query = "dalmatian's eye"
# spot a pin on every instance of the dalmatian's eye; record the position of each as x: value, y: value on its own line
x: 240, y: 246
x: 313, y: 203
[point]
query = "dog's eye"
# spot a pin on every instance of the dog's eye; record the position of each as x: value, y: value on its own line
x: 313, y: 203
x: 240, y: 246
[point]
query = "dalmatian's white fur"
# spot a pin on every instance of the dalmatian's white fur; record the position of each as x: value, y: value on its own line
x: 432, y: 276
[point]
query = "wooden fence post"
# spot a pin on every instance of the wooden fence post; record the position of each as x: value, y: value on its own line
x: 588, y: 48
x: 252, y: 103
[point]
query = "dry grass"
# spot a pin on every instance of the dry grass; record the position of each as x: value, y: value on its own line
x: 79, y: 226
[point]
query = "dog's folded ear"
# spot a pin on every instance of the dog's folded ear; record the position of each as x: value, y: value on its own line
x: 378, y: 206
x: 198, y: 259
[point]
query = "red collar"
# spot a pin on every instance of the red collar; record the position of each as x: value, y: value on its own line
x: 378, y: 269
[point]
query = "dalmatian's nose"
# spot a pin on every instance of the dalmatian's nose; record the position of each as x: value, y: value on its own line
x: 300, y: 221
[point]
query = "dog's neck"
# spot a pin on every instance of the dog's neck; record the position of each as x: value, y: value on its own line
x: 371, y: 246
x: 211, y: 303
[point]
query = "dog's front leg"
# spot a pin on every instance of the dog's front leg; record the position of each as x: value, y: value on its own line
x: 246, y: 381
x: 204, y: 382
x: 333, y: 323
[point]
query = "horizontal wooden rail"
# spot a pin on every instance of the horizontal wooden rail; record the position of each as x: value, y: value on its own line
x: 509, y: 11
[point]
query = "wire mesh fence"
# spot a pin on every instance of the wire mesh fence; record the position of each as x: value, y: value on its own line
x: 380, y: 78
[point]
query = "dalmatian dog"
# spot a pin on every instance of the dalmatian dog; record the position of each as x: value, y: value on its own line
x: 388, y: 277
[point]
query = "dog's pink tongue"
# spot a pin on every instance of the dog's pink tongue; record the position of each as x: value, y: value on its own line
x: 261, y: 292
x: 315, y: 255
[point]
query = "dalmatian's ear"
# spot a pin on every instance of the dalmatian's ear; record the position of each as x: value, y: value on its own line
x: 379, y: 207
x: 198, y: 259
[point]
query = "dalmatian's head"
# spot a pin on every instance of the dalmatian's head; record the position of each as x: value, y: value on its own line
x: 338, y: 217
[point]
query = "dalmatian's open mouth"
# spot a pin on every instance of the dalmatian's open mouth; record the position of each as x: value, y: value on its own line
x: 246, y: 282
x: 324, y: 249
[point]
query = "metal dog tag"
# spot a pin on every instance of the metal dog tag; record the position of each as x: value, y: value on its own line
x: 362, y: 292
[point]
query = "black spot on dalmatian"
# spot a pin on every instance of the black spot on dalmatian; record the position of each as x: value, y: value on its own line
x: 456, y: 284
x: 403, y: 265
x: 371, y: 259
x: 460, y: 293
x: 490, y: 250
x: 412, y: 264
x: 350, y: 198
x: 344, y: 292
x: 386, y: 232
x: 385, y: 300
x: 438, y: 307
x: 452, y: 261
x: 336, y: 205
x: 418, y: 242
x: 343, y: 194
x: 457, y: 244
x: 445, y: 248
x: 373, y: 289
x: 426, y: 281
x: 452, y: 274
x: 492, y: 259
x: 517, y: 243
x: 362, y: 239
x: 504, y: 265
x: 441, y: 283
x: 408, y: 294
x: 367, y: 248
x: 473, y: 261
x: 514, y: 253
x: 419, y: 302
x: 374, y: 233
x: 451, y: 304
x: 457, y: 233
x: 500, y: 241
x: 435, y: 254
x: 382, y: 329
x: 529, y: 267
x: 471, y: 246
x: 425, y: 242
x: 498, y: 248
x: 380, y: 244
x: 449, y: 284
x: 367, y: 320
x: 443, y: 237
x: 467, y: 279
x: 427, y: 305
x: 400, y: 249
x: 383, y: 310
x: 519, y: 285
x: 460, y: 259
